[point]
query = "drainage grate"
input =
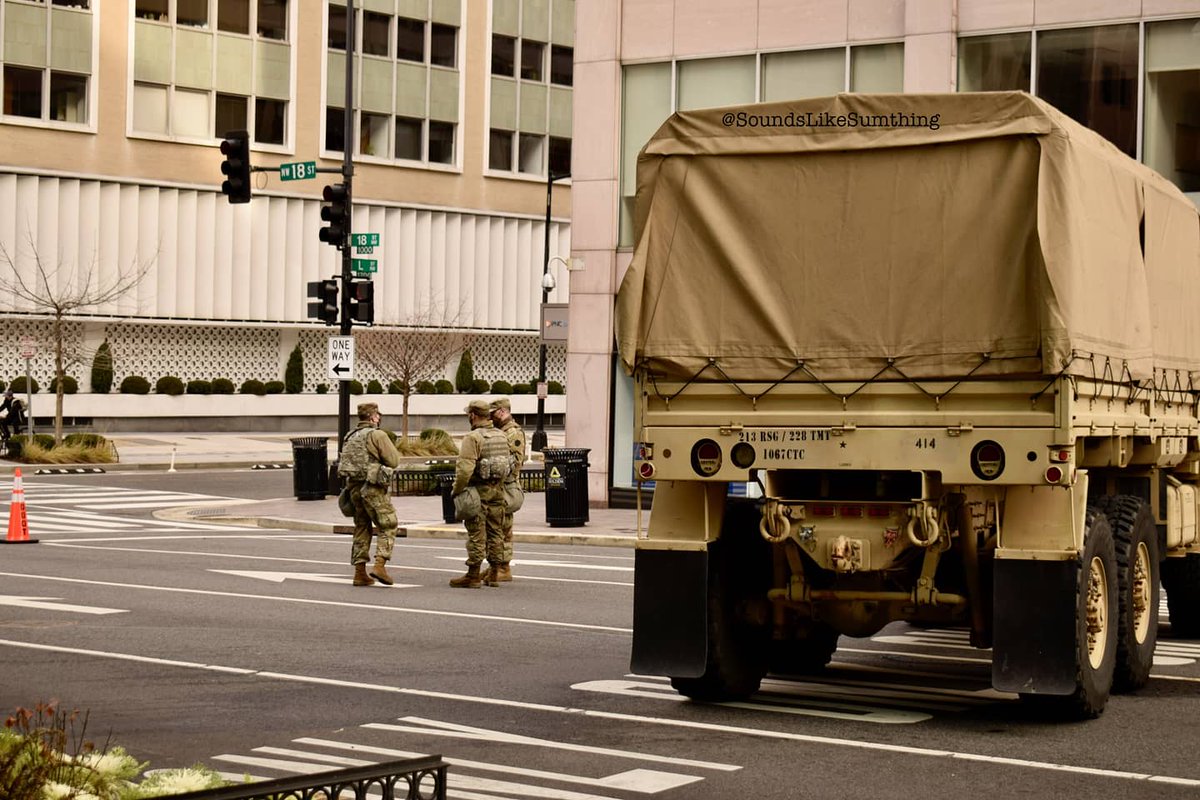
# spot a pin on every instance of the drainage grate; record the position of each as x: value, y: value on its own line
x: 208, y: 512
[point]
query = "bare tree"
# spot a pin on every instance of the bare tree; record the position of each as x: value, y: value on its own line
x: 415, y: 350
x: 61, y: 291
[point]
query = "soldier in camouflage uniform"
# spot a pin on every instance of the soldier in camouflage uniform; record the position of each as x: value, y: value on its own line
x: 483, y: 462
x: 365, y: 450
x: 502, y: 418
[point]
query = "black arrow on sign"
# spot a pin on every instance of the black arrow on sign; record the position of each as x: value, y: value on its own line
x: 339, y: 369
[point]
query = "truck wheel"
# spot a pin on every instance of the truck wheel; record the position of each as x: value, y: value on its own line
x: 810, y: 649
x: 1181, y: 579
x: 1096, y: 615
x: 738, y: 632
x: 1136, y: 540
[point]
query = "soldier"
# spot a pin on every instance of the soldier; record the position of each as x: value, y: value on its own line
x: 483, y: 462
x: 503, y: 419
x: 367, y: 461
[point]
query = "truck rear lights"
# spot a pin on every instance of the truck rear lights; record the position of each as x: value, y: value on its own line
x: 879, y: 512
x: 1055, y: 475
x: 742, y: 455
x: 987, y: 460
x: 823, y: 510
x: 706, y: 458
x: 853, y: 512
x: 645, y: 471
x: 1060, y: 455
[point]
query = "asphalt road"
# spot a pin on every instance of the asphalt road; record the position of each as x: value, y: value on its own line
x: 249, y: 650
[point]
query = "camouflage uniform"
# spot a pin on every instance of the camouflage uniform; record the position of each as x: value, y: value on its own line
x: 516, y: 446
x: 364, y: 445
x: 485, y: 534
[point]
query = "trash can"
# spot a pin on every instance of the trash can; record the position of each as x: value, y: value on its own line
x: 566, y: 486
x: 310, y: 469
x: 445, y: 484
x: 334, y: 487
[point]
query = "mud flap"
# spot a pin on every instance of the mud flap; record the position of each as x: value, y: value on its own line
x: 670, y: 612
x: 1034, y: 648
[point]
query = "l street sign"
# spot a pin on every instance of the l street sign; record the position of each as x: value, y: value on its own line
x: 341, y: 358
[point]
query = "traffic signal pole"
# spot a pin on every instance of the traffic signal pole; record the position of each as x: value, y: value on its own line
x: 347, y: 178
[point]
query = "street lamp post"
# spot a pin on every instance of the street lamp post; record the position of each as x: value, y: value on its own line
x: 539, y: 436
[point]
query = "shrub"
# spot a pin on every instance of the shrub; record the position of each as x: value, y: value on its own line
x: 275, y: 387
x: 480, y: 386
x: 374, y: 387
x: 18, y: 385
x: 554, y: 387
x: 443, y: 387
x: 169, y: 384
x: 322, y: 388
x: 85, y: 440
x: 102, y: 369
x: 465, y: 375
x: 253, y: 386
x: 199, y: 387
x: 43, y: 451
x: 16, y: 444
x: 438, y: 441
x: 222, y: 386
x: 356, y: 387
x: 522, y: 388
x: 396, y: 387
x: 70, y: 385
x: 135, y: 384
x: 293, y: 374
x: 502, y: 387
x: 426, y: 387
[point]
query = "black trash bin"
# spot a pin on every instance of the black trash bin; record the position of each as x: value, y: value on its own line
x: 566, y: 486
x: 310, y: 467
x: 445, y: 484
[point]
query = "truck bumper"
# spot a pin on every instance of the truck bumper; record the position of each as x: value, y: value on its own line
x: 670, y: 612
x: 1034, y: 644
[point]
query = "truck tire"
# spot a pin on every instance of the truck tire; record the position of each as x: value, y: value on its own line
x: 1096, y: 615
x: 809, y: 648
x: 1136, y: 540
x: 1181, y: 579
x: 738, y: 632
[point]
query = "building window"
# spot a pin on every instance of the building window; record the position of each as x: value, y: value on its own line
x: 441, y: 142
x: 68, y: 97
x: 410, y: 39
x: 335, y: 129
x: 272, y: 19
x: 337, y: 28
x: 530, y: 153
x: 443, y: 50
x: 995, y: 63
x: 500, y: 149
x: 270, y: 119
x: 1171, y: 138
x: 231, y: 114
x: 408, y: 138
x: 803, y: 73
x: 22, y: 92
x: 233, y: 16
x: 504, y: 55
x: 375, y: 34
x: 150, y: 108
x: 533, y: 54
x: 189, y: 113
x: 192, y: 13
x: 560, y: 156
x: 562, y: 65
x: 373, y: 135
x: 156, y: 10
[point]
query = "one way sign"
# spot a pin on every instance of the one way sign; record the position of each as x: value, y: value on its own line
x: 341, y: 358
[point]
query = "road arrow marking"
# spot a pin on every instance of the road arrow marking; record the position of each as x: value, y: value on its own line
x: 50, y: 604
x: 280, y: 577
x: 529, y: 562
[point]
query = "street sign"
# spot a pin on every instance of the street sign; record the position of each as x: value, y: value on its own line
x: 364, y: 265
x: 28, y: 347
x: 341, y: 358
x: 554, y: 322
x: 364, y: 239
x: 298, y: 171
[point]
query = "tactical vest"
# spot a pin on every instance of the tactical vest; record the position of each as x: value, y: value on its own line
x: 495, y: 459
x: 355, y: 459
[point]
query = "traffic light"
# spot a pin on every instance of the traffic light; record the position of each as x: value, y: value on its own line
x: 325, y: 307
x: 362, y: 301
x: 236, y: 168
x: 336, y: 213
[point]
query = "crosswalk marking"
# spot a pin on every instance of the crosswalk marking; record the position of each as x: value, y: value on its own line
x: 65, y: 508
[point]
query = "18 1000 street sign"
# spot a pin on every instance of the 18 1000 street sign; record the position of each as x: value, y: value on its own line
x: 341, y: 358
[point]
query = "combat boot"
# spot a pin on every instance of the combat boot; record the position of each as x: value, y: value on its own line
x: 361, y: 578
x: 504, y: 573
x: 468, y: 581
x: 379, y: 571
x: 489, y: 577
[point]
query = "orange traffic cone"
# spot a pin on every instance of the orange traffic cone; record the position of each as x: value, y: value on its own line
x: 18, y: 523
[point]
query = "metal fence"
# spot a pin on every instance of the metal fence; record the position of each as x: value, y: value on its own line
x: 425, y: 481
x: 407, y: 779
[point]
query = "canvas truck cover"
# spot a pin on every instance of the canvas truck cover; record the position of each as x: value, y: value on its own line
x: 905, y: 236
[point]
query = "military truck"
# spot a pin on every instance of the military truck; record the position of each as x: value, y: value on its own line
x: 954, y: 342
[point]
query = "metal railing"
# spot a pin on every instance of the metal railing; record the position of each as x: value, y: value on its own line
x: 407, y: 779
x: 426, y: 482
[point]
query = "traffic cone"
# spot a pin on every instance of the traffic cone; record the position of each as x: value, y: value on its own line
x: 18, y: 523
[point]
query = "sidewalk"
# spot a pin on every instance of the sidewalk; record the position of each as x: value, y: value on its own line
x: 419, y: 516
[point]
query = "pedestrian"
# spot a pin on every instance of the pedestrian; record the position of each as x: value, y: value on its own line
x: 502, y: 418
x: 12, y: 416
x: 483, y: 464
x: 367, y: 462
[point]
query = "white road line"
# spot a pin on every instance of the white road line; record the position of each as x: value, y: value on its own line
x: 475, y: 701
x: 579, y: 626
x: 165, y: 503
